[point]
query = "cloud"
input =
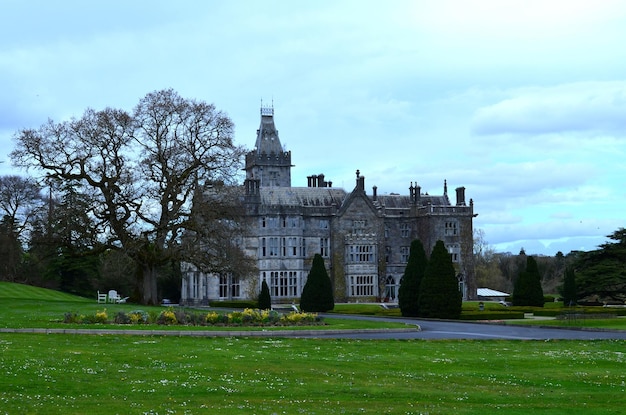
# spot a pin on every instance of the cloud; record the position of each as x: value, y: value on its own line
x: 584, y: 106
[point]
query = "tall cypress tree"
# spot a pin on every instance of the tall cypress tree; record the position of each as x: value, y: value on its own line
x: 527, y: 290
x: 265, y: 300
x: 317, y: 294
x: 569, y: 288
x: 439, y: 295
x: 408, y: 293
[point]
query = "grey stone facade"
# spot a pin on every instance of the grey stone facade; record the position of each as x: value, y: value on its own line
x: 363, y: 238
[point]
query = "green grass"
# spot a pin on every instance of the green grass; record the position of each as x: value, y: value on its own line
x: 22, y: 306
x: 70, y: 374
x: 618, y: 323
x: 27, y: 292
x: 108, y: 374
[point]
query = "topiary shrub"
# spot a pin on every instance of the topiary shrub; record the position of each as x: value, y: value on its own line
x: 408, y: 293
x: 317, y: 294
x: 265, y: 300
x: 440, y: 296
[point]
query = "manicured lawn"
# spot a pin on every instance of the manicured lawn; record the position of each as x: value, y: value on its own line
x: 121, y: 374
x: 72, y: 374
x: 618, y: 323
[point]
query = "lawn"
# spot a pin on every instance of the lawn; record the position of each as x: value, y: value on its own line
x: 108, y: 374
x: 73, y: 374
x: 23, y: 306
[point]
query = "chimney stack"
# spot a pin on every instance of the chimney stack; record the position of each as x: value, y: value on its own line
x: 460, y: 196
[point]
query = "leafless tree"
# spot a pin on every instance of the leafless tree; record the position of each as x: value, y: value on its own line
x: 142, y: 172
x: 20, y: 198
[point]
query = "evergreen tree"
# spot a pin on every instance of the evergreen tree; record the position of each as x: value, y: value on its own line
x: 527, y: 290
x: 601, y: 274
x: 439, y: 295
x: 265, y: 300
x: 569, y: 288
x: 408, y: 293
x: 317, y: 294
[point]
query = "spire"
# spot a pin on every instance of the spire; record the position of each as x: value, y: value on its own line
x: 268, y: 162
x: 267, y: 140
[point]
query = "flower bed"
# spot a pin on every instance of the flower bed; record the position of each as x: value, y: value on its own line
x: 176, y: 316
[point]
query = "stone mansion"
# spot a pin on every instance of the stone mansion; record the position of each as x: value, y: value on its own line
x: 364, y: 237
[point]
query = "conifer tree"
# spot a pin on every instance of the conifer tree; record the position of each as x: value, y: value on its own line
x: 439, y: 295
x: 408, y: 293
x: 317, y: 294
x: 527, y: 290
x: 265, y: 300
x: 569, y: 288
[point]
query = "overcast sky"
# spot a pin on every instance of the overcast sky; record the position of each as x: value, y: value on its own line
x: 521, y: 102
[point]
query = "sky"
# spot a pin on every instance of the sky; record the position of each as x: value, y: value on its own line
x: 523, y: 103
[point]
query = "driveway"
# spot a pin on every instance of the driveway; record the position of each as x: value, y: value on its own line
x: 434, y: 329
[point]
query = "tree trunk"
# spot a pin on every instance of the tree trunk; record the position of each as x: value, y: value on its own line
x: 149, y: 285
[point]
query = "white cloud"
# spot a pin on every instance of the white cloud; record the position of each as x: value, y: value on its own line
x: 586, y: 106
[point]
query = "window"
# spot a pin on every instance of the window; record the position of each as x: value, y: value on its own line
x: 387, y: 254
x: 404, y: 253
x: 361, y: 253
x: 229, y: 286
x: 361, y: 285
x: 283, y: 283
x: 405, y: 230
x: 272, y: 222
x: 455, y: 252
x: 302, y: 247
x: 263, y: 222
x: 293, y: 222
x: 358, y: 226
x: 323, y: 223
x: 263, y: 248
x: 451, y: 228
x: 273, y: 246
x: 292, y: 246
x: 324, y: 247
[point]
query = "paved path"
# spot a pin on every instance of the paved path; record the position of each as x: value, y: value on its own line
x: 435, y: 329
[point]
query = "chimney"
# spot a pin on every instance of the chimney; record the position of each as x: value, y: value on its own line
x: 374, y: 192
x: 360, y: 181
x: 460, y: 196
x: 320, y: 180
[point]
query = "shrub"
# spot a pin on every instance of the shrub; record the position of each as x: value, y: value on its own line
x: 234, y: 304
x: 439, y: 295
x: 101, y: 316
x: 408, y: 293
x: 167, y: 317
x: 212, y: 317
x: 122, y: 318
x: 265, y: 300
x: 73, y: 318
x: 138, y: 317
x: 317, y: 294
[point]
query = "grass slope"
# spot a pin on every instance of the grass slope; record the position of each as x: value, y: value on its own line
x: 9, y: 290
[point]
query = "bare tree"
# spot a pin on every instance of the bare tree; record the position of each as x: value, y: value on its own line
x: 142, y: 172
x: 20, y: 198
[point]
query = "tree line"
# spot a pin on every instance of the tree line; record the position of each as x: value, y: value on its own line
x: 588, y: 277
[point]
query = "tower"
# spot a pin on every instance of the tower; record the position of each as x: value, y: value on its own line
x: 268, y: 162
